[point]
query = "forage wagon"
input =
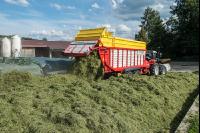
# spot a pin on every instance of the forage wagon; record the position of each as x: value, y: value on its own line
x: 118, y: 55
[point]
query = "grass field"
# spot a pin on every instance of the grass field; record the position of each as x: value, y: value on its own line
x: 68, y: 103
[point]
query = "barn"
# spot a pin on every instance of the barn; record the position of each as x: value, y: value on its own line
x: 42, y: 48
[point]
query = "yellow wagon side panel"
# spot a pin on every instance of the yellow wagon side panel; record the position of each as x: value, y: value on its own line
x: 108, y: 40
x: 122, y: 43
x: 91, y: 34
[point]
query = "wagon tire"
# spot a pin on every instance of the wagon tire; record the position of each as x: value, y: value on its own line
x: 154, y: 70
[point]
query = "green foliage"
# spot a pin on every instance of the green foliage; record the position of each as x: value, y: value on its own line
x: 8, y: 36
x: 152, y: 29
x: 68, y: 103
x: 186, y: 27
x: 194, y: 125
x: 142, y: 35
x: 183, y: 29
x: 44, y: 39
x: 179, y: 36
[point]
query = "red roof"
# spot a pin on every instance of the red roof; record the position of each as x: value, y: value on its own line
x: 57, y: 44
x: 41, y: 43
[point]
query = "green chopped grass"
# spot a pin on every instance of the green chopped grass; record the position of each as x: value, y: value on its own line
x: 89, y: 67
x: 194, y: 124
x: 68, y: 103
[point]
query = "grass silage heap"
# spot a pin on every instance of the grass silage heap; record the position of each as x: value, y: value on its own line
x: 89, y: 67
x: 67, y: 103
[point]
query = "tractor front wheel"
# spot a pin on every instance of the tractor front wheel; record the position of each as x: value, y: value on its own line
x: 154, y: 70
x: 162, y: 70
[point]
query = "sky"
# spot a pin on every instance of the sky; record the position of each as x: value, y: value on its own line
x: 62, y: 19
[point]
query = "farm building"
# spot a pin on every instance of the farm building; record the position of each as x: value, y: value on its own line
x: 42, y: 48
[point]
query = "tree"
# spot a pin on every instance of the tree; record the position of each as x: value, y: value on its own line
x: 44, y: 39
x: 142, y: 35
x: 152, y: 29
x: 185, y: 27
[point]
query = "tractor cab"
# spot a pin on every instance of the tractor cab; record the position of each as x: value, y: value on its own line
x: 154, y: 57
x: 151, y: 54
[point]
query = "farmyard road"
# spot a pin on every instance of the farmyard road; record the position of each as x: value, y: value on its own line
x: 185, y: 66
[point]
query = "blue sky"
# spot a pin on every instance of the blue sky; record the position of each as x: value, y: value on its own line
x: 61, y: 19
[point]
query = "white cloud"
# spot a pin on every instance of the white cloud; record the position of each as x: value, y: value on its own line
x: 3, y: 16
x: 61, y: 7
x: 77, y: 22
x: 38, y: 29
x: 115, y: 3
x: 28, y: 13
x: 123, y: 28
x: 18, y: 2
x: 174, y: 4
x: 70, y: 7
x: 120, y: 30
x: 80, y: 28
x: 56, y: 6
x: 106, y: 25
x: 95, y: 5
x: 49, y: 32
x: 64, y: 29
x: 52, y: 34
x: 134, y: 9
x: 109, y: 27
x: 82, y: 16
x: 158, y: 6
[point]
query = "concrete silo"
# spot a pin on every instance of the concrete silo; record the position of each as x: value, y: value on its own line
x: 6, y: 47
x: 16, y: 46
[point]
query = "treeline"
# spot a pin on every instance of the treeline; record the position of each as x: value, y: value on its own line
x: 2, y: 36
x: 177, y: 37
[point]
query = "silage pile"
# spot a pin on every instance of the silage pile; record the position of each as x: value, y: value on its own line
x: 67, y: 103
x: 89, y: 67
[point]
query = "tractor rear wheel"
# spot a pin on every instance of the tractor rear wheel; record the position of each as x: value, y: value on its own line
x: 154, y: 70
x: 162, y: 70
